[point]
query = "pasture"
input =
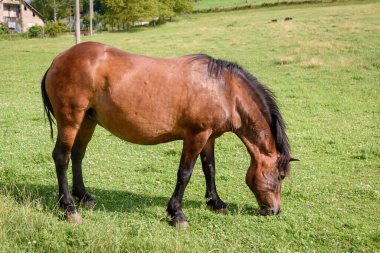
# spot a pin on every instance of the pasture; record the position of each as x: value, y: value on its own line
x: 207, y: 4
x: 222, y: 4
x: 324, y: 68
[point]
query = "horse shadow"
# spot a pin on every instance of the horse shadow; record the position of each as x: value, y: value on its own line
x: 107, y: 200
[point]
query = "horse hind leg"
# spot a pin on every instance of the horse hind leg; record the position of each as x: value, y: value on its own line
x: 78, y: 151
x: 68, y: 124
x: 208, y: 166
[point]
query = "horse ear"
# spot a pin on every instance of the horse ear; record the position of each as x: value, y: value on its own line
x: 292, y: 159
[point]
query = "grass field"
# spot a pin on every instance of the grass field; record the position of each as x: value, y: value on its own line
x: 207, y: 4
x: 323, y: 65
x: 220, y: 4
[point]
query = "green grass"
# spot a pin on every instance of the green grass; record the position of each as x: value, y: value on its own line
x: 324, y: 67
x: 208, y: 4
x: 220, y: 4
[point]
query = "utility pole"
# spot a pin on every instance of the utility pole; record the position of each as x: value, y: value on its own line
x: 77, y: 22
x: 70, y: 20
x: 91, y: 15
x: 55, y: 11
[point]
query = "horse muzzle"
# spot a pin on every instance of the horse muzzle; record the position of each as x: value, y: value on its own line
x: 266, y: 211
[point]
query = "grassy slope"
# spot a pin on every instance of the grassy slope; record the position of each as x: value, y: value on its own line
x: 206, y: 4
x: 324, y: 67
x: 212, y: 4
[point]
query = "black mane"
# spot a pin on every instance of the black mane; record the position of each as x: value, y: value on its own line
x: 270, y: 109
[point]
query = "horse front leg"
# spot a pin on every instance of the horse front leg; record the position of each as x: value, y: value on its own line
x: 208, y: 166
x: 192, y: 146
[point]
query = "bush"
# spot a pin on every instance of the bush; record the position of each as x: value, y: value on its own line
x: 3, y: 29
x: 53, y: 29
x: 95, y: 21
x: 36, y: 31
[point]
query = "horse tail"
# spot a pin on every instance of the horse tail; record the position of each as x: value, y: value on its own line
x: 48, y: 109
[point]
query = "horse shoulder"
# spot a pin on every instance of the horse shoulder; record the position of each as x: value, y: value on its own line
x: 210, y: 103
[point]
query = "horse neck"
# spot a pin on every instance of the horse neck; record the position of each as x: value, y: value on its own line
x: 254, y: 131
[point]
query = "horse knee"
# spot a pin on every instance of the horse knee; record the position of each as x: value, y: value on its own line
x: 184, y: 176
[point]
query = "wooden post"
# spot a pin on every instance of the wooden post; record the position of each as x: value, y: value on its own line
x: 91, y: 15
x: 77, y: 22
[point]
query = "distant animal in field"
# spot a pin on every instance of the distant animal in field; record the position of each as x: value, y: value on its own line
x: 288, y: 18
x: 274, y: 20
x: 149, y: 100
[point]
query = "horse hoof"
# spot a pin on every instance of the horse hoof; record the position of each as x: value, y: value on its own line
x: 180, y: 224
x: 88, y: 203
x: 74, y: 218
x: 220, y: 210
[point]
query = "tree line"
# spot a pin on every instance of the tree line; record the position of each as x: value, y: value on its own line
x: 115, y: 13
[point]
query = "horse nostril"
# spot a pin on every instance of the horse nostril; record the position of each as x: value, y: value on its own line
x: 265, y: 211
x: 269, y: 211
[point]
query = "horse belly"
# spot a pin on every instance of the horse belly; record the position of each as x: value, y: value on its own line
x: 139, y: 122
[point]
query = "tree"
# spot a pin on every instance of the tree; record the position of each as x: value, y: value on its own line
x: 98, y: 6
x: 127, y: 12
x: 52, y: 9
x: 112, y: 10
x: 178, y: 6
x: 183, y: 6
x: 86, y: 20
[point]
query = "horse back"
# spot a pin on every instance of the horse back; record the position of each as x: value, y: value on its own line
x: 140, y: 99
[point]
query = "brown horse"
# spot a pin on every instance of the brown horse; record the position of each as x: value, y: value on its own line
x: 148, y: 101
